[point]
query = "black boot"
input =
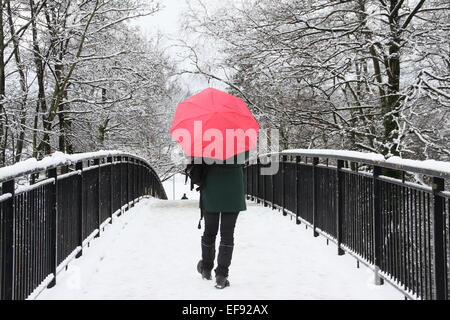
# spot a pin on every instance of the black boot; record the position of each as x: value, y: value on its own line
x: 222, y: 282
x: 206, y: 274
x: 224, y: 259
x: 208, y: 256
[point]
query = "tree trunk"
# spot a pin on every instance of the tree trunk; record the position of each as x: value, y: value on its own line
x: 35, y: 131
x: 41, y: 103
x: 23, y: 86
x: 62, y: 82
x: 103, y: 128
x: 2, y: 89
x: 391, y: 128
x: 64, y: 128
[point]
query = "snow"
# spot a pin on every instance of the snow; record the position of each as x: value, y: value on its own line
x: 67, y: 260
x: 41, y: 287
x: 338, y: 153
x: 443, y: 166
x: 56, y: 159
x: 22, y: 189
x: 5, y: 197
x: 151, y: 252
x: 426, y: 164
x: 180, y: 188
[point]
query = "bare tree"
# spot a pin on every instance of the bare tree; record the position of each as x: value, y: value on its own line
x: 353, y: 74
x: 77, y: 77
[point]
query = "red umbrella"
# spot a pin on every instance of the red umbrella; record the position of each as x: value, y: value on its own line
x: 214, y: 124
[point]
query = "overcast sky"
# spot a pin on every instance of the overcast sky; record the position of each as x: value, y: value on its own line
x: 167, y: 21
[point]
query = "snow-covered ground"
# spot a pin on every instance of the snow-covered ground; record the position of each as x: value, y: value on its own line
x: 151, y: 252
x: 180, y: 188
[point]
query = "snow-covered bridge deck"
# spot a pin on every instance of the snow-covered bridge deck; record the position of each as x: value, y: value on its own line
x: 151, y: 252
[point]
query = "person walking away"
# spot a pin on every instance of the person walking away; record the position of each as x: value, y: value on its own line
x: 222, y: 197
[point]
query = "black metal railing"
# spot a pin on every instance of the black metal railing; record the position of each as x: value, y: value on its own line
x: 398, y: 228
x: 51, y: 209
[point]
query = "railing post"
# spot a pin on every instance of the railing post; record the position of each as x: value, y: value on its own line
x: 53, y: 198
x: 141, y: 184
x: 339, y: 205
x: 273, y: 182
x: 149, y: 182
x: 99, y: 202
x: 283, y: 171
x: 257, y: 180
x: 250, y: 178
x: 79, y: 167
x: 133, y: 181
x: 119, y: 160
x: 376, y: 196
x: 314, y: 190
x: 136, y: 182
x: 7, y: 241
x: 252, y: 195
x: 153, y: 182
x: 297, y: 181
x: 128, y: 182
x: 144, y: 180
x: 110, y: 160
x: 440, y: 274
x: 264, y: 177
x: 246, y: 180
x: 137, y: 176
x: 140, y: 193
x: 138, y: 179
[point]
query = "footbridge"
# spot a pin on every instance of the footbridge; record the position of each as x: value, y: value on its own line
x: 324, y: 225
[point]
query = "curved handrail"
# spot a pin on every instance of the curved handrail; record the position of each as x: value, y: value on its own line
x: 51, y: 208
x: 431, y: 168
x: 387, y: 223
x: 58, y: 159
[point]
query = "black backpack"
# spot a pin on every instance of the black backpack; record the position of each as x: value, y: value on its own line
x: 196, y: 173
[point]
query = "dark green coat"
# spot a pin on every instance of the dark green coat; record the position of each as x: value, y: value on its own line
x: 223, y: 188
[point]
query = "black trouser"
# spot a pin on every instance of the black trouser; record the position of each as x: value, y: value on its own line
x: 227, y: 223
